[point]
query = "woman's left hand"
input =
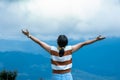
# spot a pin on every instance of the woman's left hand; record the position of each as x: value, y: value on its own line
x: 26, y: 32
x: 100, y: 37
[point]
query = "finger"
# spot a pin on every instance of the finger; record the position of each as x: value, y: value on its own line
x: 104, y: 37
x: 98, y: 36
x: 22, y: 30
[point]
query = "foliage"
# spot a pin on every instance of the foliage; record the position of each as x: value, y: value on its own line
x: 8, y: 75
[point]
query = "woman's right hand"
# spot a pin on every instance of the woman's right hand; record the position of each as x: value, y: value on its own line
x: 100, y: 37
x: 25, y: 32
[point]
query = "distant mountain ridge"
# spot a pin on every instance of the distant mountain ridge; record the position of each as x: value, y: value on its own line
x: 32, y: 62
x: 35, y: 66
x: 28, y: 65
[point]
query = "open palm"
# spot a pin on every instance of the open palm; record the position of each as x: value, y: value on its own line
x: 100, y: 37
x: 25, y: 32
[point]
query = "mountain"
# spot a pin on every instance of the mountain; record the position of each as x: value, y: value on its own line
x: 29, y: 66
x: 35, y: 66
x: 98, y: 61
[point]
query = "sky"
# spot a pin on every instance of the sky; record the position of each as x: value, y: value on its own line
x: 46, y: 19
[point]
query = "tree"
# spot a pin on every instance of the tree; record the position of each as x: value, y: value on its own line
x: 8, y: 75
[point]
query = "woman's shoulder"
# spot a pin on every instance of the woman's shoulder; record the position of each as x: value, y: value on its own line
x: 69, y: 47
x: 54, y: 48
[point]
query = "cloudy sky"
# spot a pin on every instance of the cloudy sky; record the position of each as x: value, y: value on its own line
x: 46, y: 19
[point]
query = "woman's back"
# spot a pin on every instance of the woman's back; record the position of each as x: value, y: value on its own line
x: 61, y: 64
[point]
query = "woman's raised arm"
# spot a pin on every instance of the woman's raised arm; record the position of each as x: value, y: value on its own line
x: 79, y: 45
x: 41, y: 43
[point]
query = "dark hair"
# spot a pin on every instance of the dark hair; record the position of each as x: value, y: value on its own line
x: 62, y: 41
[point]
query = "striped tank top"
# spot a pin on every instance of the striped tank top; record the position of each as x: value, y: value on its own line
x: 62, y: 64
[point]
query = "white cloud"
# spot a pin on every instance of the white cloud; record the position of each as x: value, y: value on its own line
x: 62, y: 8
x: 47, y: 19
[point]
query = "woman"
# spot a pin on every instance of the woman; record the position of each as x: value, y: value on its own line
x: 61, y: 56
